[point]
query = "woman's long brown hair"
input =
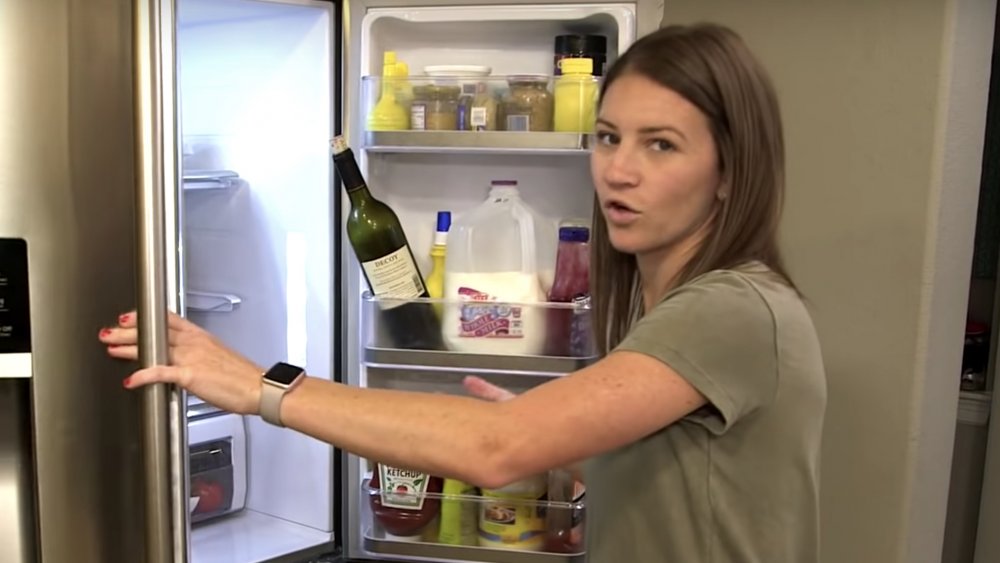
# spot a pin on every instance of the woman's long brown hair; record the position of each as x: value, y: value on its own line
x: 711, y: 67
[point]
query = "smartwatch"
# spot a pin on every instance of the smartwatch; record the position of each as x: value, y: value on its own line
x: 275, y: 383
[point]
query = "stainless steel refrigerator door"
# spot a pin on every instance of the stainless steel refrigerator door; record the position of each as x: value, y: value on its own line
x: 67, y: 186
x: 18, y: 533
x: 18, y: 530
x: 164, y: 420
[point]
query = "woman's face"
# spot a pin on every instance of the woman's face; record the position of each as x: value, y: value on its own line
x: 654, y: 166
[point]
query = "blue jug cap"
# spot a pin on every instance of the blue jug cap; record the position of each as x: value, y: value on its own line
x: 443, y: 221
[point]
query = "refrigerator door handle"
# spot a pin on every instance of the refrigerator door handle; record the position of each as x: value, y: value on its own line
x: 164, y: 426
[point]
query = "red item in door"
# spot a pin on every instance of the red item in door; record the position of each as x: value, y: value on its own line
x: 399, y: 503
x: 568, y: 329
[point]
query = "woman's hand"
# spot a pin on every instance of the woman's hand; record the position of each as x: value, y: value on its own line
x: 479, y: 387
x: 199, y: 363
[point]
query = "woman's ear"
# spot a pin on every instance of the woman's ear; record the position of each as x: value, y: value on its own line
x: 722, y: 192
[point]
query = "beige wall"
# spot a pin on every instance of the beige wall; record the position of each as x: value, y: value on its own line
x: 884, y: 105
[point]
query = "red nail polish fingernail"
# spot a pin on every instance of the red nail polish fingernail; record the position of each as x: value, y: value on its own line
x: 123, y: 318
x: 126, y: 382
x: 105, y: 332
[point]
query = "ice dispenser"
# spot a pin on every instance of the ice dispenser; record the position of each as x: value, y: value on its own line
x: 18, y: 540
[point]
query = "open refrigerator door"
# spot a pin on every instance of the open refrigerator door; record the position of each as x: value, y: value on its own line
x: 476, y: 102
x: 257, y: 97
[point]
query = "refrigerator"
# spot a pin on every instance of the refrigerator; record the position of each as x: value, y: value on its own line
x: 174, y: 155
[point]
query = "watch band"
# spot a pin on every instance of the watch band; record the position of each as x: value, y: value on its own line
x: 274, y: 385
x: 270, y: 402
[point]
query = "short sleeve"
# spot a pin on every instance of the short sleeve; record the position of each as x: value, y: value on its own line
x: 718, y: 333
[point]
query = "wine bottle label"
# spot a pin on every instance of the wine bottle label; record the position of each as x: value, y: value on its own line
x: 402, y: 488
x: 395, y: 275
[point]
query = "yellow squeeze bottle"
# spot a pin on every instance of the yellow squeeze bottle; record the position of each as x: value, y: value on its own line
x: 388, y: 114
x: 404, y: 88
x: 459, y: 517
x: 575, y: 97
x: 435, y: 281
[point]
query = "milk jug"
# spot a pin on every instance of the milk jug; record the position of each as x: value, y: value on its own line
x: 492, y: 276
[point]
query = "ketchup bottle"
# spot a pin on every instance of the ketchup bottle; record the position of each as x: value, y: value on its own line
x: 399, y: 502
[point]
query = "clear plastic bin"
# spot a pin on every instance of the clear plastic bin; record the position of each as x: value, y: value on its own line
x: 476, y: 104
x: 418, y: 331
x: 507, y: 530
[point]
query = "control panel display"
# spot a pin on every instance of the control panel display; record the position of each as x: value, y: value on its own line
x: 15, y: 320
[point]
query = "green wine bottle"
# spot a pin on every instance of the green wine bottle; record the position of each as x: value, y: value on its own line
x: 380, y: 246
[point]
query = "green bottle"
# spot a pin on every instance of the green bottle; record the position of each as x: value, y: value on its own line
x: 380, y: 246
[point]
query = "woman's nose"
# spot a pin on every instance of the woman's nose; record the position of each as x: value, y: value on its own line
x: 622, y: 169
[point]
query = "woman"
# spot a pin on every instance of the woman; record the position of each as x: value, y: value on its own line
x: 701, y: 424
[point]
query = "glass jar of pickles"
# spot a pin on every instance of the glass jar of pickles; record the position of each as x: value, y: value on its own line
x: 435, y: 108
x: 483, y: 109
x: 528, y: 105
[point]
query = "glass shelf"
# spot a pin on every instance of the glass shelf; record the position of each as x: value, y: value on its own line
x: 517, y: 114
x: 472, y: 142
x: 209, y: 179
x: 499, y: 514
x: 544, y: 339
x: 210, y: 302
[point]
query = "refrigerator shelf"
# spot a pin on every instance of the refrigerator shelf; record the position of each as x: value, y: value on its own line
x: 376, y: 543
x: 474, y: 363
x: 209, y: 302
x: 477, y: 142
x: 540, y: 338
x: 572, y: 514
x: 209, y: 179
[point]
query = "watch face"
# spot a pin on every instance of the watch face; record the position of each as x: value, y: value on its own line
x: 283, y: 374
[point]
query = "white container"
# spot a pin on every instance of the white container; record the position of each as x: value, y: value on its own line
x: 509, y: 517
x: 492, y: 267
x: 466, y: 76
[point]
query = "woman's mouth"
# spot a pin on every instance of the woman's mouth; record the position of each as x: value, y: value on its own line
x: 619, y: 214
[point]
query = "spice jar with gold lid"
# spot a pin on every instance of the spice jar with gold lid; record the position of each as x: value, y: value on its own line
x: 528, y: 104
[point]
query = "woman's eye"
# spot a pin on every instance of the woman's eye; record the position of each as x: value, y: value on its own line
x: 606, y: 138
x: 661, y: 145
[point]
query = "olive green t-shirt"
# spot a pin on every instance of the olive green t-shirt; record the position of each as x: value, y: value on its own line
x: 738, y: 480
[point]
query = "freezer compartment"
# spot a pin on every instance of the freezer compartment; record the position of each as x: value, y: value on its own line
x: 475, y: 527
x: 477, y: 335
x: 486, y: 103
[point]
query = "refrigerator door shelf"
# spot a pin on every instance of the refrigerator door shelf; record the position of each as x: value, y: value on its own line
x: 477, y: 142
x: 539, y: 338
x: 376, y: 540
x: 210, y: 179
x: 208, y: 302
x: 474, y: 363
x: 974, y: 408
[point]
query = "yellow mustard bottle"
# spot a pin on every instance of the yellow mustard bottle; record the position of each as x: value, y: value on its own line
x: 575, y: 97
x: 388, y: 114
x: 404, y: 88
x: 459, y: 519
x: 435, y: 281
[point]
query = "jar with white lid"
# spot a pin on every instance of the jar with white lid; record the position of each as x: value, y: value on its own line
x: 473, y: 82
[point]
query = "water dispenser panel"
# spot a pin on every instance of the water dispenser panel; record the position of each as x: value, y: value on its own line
x: 15, y: 319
